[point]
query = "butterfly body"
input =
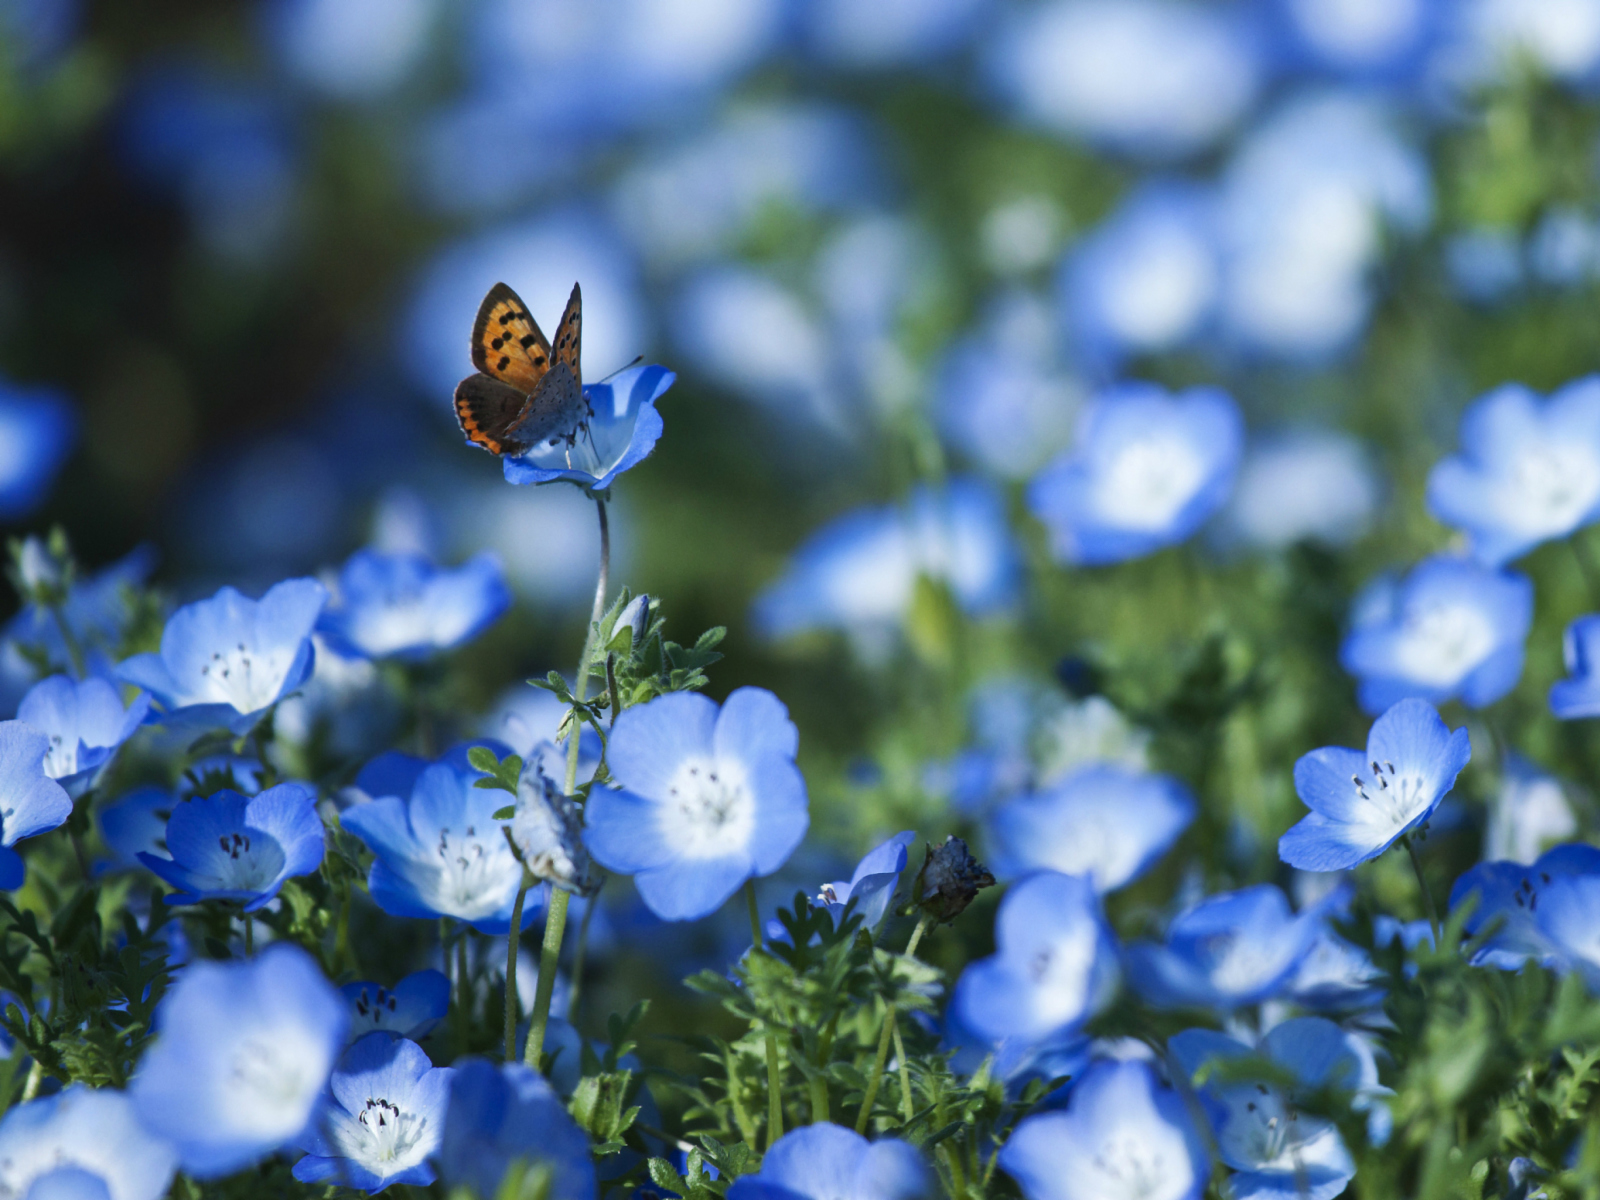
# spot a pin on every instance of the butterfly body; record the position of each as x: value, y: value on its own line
x: 527, y: 391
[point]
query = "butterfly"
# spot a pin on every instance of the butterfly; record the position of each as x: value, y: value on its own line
x: 526, y: 391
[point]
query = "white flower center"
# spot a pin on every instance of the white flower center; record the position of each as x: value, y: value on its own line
x: 383, y: 1137
x: 1393, y: 799
x: 1440, y: 644
x: 471, y: 873
x: 398, y: 622
x: 708, y: 811
x: 244, y: 861
x: 1267, y: 1132
x: 1241, y: 964
x: 247, y: 680
x: 274, y: 1081
x: 1060, y: 973
x: 1130, y: 1168
x: 1552, y: 487
x: 374, y: 1011
x: 1146, y: 484
x: 61, y: 758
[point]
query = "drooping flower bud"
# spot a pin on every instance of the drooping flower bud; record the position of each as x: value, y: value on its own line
x: 950, y: 880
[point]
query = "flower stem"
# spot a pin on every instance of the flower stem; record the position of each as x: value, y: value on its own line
x: 1427, y: 896
x: 774, y: 1078
x: 513, y: 1007
x: 555, y: 921
x: 74, y: 649
x: 581, y: 949
x: 249, y: 935
x: 890, y: 1030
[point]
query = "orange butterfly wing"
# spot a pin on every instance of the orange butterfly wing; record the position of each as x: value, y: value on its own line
x: 507, y: 342
x: 569, y: 334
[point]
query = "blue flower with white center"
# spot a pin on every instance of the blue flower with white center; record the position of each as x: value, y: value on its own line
x: 242, y: 1055
x: 411, y: 1008
x: 85, y: 722
x: 135, y: 823
x: 31, y: 802
x: 1229, y: 950
x: 95, y: 1132
x: 1148, y: 469
x: 1527, y: 472
x: 707, y: 799
x: 405, y: 606
x: 1578, y: 695
x: 1451, y: 629
x: 1146, y: 280
x: 37, y: 429
x: 240, y: 848
x: 226, y: 660
x: 1054, y: 966
x: 382, y: 1120
x: 1303, y: 485
x: 1529, y: 813
x: 1508, y: 897
x: 440, y: 852
x: 1362, y: 803
x: 499, y: 1115
x: 828, y: 1162
x: 621, y: 432
x: 1276, y: 1151
x: 1103, y: 822
x: 872, y: 884
x: 1123, y: 1136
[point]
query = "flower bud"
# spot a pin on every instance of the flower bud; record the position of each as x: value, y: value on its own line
x: 950, y: 880
x: 547, y: 831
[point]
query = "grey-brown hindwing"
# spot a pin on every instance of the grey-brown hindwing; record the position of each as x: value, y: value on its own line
x: 554, y: 411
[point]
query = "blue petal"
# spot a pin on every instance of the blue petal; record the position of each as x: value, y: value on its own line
x: 624, y: 832
x: 1316, y: 843
x: 13, y: 873
x: 30, y: 801
x: 650, y: 742
x: 781, y: 816
x: 392, y: 773
x: 691, y: 890
x: 752, y: 724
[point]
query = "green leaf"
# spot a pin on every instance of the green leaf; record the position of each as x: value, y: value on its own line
x: 506, y: 813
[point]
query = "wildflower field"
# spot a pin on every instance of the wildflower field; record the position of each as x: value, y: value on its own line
x: 800, y: 599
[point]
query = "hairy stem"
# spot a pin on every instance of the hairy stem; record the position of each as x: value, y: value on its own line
x: 1422, y: 884
x: 774, y: 1077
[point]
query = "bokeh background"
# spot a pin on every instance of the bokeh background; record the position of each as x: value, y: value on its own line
x: 884, y: 243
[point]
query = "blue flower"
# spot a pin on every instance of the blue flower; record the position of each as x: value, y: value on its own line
x: 97, y: 1133
x: 242, y: 1054
x: 351, y: 51
x: 1103, y: 822
x: 233, y: 847
x: 1568, y: 919
x: 410, y: 1009
x: 872, y: 884
x: 708, y: 799
x: 1362, y: 803
x: 1276, y: 1150
x: 623, y: 430
x: 136, y: 822
x: 382, y: 1120
x: 404, y: 606
x: 1579, y: 695
x: 1527, y: 472
x: 37, y: 429
x: 1509, y: 897
x: 859, y: 573
x: 440, y: 852
x: 1054, y: 966
x: 1303, y: 485
x: 1530, y: 811
x: 1375, y: 41
x: 1335, y: 976
x: 1449, y: 629
x: 1147, y: 471
x: 1123, y: 1136
x: 828, y: 1162
x: 96, y: 610
x: 1229, y: 950
x: 31, y: 802
x: 226, y: 660
x: 498, y: 1116
x: 85, y: 722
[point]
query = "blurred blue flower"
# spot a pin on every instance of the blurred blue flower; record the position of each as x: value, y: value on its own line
x: 621, y: 434
x: 1529, y: 812
x: 1510, y: 895
x: 37, y: 429
x: 1124, y: 1134
x: 1229, y: 950
x: 1385, y: 41
x: 499, y: 1115
x: 382, y: 1119
x: 890, y: 33
x: 405, y: 606
x: 708, y: 798
x: 1527, y: 472
x: 859, y: 573
x: 1336, y: 976
x: 440, y: 852
x: 242, y: 1054
x: 872, y: 884
x: 232, y: 847
x: 410, y: 1009
x: 347, y: 708
x: 1484, y: 263
x: 35, y: 31
x: 1313, y: 485
x: 1449, y: 629
x: 135, y: 823
x: 350, y: 49
x: 1147, y: 470
x: 1579, y: 695
x: 96, y: 1132
x: 1054, y: 966
x: 31, y: 802
x: 1145, y: 280
x: 1492, y: 40
x: 1277, y: 1150
x: 1568, y: 919
x: 1564, y: 249
x: 1150, y: 78
x: 1362, y: 803
x: 226, y: 660
x: 96, y: 610
x: 85, y: 722
x: 1106, y: 823
x: 828, y: 1162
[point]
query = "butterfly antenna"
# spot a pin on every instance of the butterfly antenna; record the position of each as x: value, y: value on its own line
x: 621, y: 369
